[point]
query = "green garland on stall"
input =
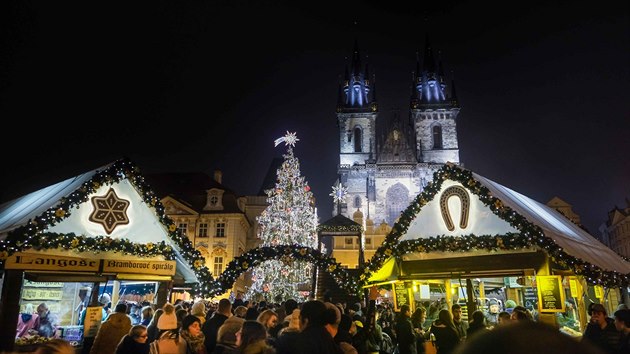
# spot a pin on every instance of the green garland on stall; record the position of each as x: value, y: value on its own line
x: 340, y: 228
x: 529, y: 235
x: 288, y: 254
x: 70, y: 241
x: 32, y: 234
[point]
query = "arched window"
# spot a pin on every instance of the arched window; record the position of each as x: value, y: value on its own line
x: 437, y: 137
x: 357, y: 140
x: 397, y: 199
x: 357, y: 202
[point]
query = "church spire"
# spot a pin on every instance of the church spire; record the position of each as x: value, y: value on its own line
x: 430, y: 82
x: 428, y: 64
x: 356, y: 59
x: 357, y: 89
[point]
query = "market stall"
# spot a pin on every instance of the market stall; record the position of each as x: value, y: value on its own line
x: 64, y: 245
x: 465, y: 230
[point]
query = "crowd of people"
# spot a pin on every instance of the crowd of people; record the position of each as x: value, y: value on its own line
x: 328, y: 327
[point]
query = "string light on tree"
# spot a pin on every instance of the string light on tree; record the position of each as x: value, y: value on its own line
x: 290, y: 219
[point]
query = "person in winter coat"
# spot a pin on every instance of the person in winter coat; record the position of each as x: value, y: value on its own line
x: 287, y: 335
x: 446, y: 337
x: 477, y: 325
x: 135, y: 342
x: 146, y: 315
x: 46, y: 324
x: 169, y: 341
x: 601, y: 330
x: 211, y: 328
x: 191, y: 332
x: 622, y: 323
x: 117, y: 325
x: 26, y: 320
x: 252, y: 339
x: 154, y: 332
x: 226, y: 338
x: 405, y: 335
x: 314, y: 338
x: 199, y: 309
x: 343, y: 338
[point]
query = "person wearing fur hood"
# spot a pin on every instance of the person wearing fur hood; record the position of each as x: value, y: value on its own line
x: 115, y: 327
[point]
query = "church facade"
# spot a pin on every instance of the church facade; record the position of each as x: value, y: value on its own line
x: 385, y: 160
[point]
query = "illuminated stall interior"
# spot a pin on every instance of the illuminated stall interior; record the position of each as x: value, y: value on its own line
x: 467, y: 239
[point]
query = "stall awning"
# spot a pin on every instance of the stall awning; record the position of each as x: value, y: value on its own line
x: 388, y: 272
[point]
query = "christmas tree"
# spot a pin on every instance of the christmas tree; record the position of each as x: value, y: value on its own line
x: 290, y: 219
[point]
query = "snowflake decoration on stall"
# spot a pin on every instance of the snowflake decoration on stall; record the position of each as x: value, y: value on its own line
x: 289, y: 140
x: 339, y: 193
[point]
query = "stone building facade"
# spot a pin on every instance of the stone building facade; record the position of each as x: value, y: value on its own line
x: 220, y: 224
x: 385, y: 161
x: 615, y: 232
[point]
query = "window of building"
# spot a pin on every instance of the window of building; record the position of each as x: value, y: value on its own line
x: 437, y: 137
x: 214, y: 199
x: 203, y: 230
x: 357, y: 202
x: 182, y: 228
x: 218, y: 266
x: 348, y: 240
x: 396, y: 200
x: 368, y: 241
x: 358, y: 141
x: 220, y: 229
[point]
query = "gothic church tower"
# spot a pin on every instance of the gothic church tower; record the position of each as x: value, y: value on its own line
x: 433, y: 112
x: 384, y: 170
x: 356, y: 113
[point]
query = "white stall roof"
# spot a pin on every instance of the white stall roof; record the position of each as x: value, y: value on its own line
x: 144, y: 225
x: 481, y: 220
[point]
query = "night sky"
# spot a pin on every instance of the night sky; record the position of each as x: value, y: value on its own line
x: 186, y: 86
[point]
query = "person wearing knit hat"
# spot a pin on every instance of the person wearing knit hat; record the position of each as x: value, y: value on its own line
x: 492, y: 316
x: 199, y: 309
x: 168, y: 320
x: 169, y: 340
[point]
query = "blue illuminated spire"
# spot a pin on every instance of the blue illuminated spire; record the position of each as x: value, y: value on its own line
x: 357, y: 89
x: 430, y: 81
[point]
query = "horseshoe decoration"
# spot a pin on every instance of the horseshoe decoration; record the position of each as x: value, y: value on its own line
x: 460, y: 192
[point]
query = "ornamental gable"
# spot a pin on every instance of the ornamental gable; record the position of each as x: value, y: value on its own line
x: 455, y: 211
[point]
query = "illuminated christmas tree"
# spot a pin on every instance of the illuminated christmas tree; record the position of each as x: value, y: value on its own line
x: 290, y: 219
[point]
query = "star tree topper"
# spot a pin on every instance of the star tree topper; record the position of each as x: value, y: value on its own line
x: 339, y: 193
x: 288, y: 139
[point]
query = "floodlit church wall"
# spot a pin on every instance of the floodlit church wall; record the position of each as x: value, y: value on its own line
x: 441, y: 156
x: 353, y: 159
